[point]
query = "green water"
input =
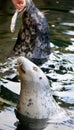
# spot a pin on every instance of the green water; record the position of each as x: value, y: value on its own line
x: 59, y: 68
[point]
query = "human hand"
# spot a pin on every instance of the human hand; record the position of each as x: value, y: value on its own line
x: 19, y: 4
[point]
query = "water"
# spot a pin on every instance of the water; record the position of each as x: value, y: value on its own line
x: 59, y: 68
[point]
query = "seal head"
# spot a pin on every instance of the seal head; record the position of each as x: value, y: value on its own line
x: 36, y: 100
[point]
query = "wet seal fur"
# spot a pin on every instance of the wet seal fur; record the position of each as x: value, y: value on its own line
x: 36, y: 102
x: 33, y: 37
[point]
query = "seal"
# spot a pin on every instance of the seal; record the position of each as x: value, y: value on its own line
x: 33, y: 37
x: 35, y: 101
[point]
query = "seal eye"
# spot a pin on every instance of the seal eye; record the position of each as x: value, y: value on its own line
x: 35, y: 68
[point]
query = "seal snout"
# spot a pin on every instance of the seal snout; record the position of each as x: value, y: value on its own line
x: 20, y: 59
x: 20, y: 62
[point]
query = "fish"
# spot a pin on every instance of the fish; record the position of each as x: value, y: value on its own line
x: 13, y: 21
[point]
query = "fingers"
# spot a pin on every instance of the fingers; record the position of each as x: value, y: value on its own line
x: 19, y: 4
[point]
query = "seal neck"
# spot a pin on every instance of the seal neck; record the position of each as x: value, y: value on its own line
x: 28, y: 4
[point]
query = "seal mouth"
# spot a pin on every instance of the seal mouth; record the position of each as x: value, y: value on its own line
x: 20, y: 65
x: 22, y: 69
